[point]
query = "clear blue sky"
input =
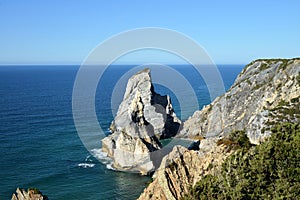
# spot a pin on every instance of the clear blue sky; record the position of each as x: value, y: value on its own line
x: 65, y: 31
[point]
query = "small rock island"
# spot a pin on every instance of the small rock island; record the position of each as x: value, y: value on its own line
x: 30, y: 194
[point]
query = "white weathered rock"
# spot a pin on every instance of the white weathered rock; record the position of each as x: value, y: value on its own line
x: 142, y: 118
x: 248, y: 104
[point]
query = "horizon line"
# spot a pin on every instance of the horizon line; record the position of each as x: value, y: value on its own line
x: 114, y: 64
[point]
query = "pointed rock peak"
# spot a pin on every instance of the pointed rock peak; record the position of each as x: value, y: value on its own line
x: 144, y: 71
x: 140, y: 81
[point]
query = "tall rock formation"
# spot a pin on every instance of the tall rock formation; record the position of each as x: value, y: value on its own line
x: 142, y: 119
x: 265, y: 92
x: 262, y: 90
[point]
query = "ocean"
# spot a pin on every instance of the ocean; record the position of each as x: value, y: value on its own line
x: 39, y: 144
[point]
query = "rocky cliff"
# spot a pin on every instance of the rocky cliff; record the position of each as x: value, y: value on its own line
x: 182, y: 168
x: 261, y: 90
x: 30, y: 194
x: 142, y: 119
x: 265, y: 92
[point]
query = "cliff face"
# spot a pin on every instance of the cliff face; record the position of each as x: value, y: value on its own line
x: 266, y: 92
x: 182, y: 168
x: 262, y: 89
x: 142, y: 119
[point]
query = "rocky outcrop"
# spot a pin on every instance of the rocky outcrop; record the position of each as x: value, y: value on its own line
x: 142, y: 119
x: 263, y: 88
x: 30, y: 194
x: 182, y: 168
x: 266, y: 92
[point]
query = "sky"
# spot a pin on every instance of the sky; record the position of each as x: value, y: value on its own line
x: 66, y: 31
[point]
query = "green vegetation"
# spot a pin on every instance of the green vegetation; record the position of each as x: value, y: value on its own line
x: 248, y: 81
x: 235, y: 140
x: 283, y: 103
x: 264, y: 66
x: 210, y: 108
x: 285, y: 111
x: 284, y: 64
x: 269, y: 61
x: 257, y: 86
x: 295, y: 100
x: 267, y: 171
x: 298, y: 78
x: 34, y: 190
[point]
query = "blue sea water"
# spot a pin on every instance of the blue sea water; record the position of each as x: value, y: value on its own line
x: 39, y: 144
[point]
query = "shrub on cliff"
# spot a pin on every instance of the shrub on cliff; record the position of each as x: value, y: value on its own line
x: 267, y: 171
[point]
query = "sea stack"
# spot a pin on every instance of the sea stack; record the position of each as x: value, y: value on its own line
x: 142, y: 119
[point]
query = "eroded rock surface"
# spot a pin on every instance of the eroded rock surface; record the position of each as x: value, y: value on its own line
x: 142, y: 119
x: 182, y: 168
x: 263, y: 88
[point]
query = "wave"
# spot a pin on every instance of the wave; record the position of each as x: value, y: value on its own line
x: 86, y: 165
x: 103, y: 158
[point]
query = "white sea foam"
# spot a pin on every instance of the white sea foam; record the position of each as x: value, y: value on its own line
x: 109, y: 166
x: 103, y: 158
x: 89, y: 158
x: 86, y: 165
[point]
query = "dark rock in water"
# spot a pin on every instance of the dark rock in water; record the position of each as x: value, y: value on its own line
x: 30, y: 194
x: 142, y: 119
